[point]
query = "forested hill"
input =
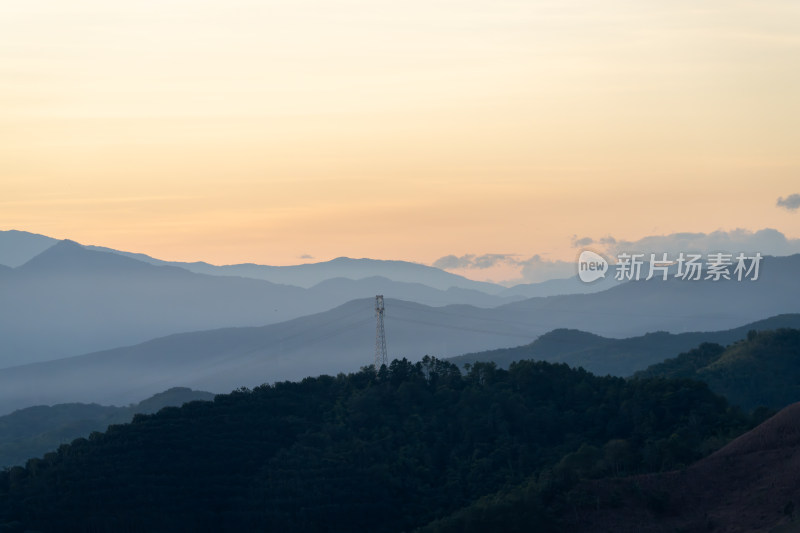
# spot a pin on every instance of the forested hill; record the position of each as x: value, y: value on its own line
x: 763, y: 369
x: 381, y: 452
x: 36, y: 430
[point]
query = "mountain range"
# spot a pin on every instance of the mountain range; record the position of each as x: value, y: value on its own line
x: 619, y: 357
x: 73, y: 315
x: 89, y: 298
x: 70, y: 299
x: 338, y: 340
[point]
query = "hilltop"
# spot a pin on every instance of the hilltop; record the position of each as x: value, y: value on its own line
x: 761, y: 370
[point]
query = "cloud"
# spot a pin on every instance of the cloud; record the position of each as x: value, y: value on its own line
x: 768, y: 241
x: 306, y: 256
x: 452, y: 262
x: 578, y: 243
x: 490, y: 260
x: 537, y: 269
x: 790, y: 203
x: 531, y: 270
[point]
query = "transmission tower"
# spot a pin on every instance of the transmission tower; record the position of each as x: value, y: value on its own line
x: 380, y: 335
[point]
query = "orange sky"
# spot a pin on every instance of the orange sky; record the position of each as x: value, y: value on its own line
x: 264, y: 131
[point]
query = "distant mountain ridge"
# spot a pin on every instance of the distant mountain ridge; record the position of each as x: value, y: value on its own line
x: 619, y: 357
x: 70, y: 299
x: 311, y: 274
x: 330, y: 342
x: 338, y: 340
x: 673, y: 305
x: 342, y: 338
x: 18, y: 247
x: 70, y: 256
x: 344, y: 288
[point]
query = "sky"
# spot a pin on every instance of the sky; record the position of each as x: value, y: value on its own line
x: 288, y: 132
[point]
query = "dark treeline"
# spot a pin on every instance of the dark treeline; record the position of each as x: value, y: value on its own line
x: 385, y: 451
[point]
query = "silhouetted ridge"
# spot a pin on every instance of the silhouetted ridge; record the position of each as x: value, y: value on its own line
x: 70, y: 257
x: 622, y: 357
x: 761, y: 370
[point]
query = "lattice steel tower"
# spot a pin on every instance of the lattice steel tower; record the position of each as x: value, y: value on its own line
x: 380, y: 335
